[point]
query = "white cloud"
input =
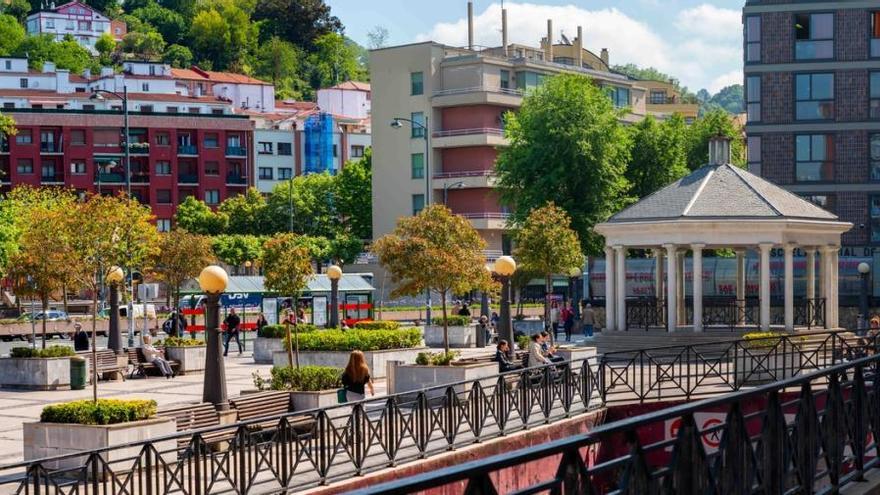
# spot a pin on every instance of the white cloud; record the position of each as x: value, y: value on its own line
x: 699, y: 54
x: 724, y: 80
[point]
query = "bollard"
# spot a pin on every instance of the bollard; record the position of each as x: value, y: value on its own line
x: 390, y: 372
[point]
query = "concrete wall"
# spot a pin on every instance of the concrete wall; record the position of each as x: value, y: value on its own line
x: 339, y: 359
x: 467, y: 159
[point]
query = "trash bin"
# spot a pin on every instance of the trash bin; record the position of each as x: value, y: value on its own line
x: 77, y: 373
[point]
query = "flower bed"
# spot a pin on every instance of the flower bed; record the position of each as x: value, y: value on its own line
x: 103, y: 412
x: 377, y: 325
x: 53, y: 351
x: 310, y: 386
x: 362, y: 340
x: 190, y: 353
x: 460, y: 332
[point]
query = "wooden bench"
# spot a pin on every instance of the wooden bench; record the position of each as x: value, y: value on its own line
x: 193, y: 417
x: 139, y: 363
x: 107, y: 362
x: 271, y: 404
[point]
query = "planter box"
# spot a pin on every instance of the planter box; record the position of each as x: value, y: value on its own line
x: 576, y: 353
x: 458, y: 336
x: 36, y: 373
x: 53, y: 439
x: 339, y: 359
x: 265, y: 347
x: 191, y: 358
x: 413, y: 377
x: 760, y: 368
x: 303, y: 401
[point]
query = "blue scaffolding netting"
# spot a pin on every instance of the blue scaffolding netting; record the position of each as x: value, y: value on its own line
x: 319, y: 144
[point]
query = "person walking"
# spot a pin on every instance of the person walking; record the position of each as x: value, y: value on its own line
x: 464, y: 311
x: 232, y: 322
x: 155, y: 356
x: 568, y: 323
x: 356, y: 377
x: 483, y: 326
x: 588, y: 319
x: 554, y: 318
x: 80, y: 338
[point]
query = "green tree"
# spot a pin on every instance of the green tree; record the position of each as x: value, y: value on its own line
x: 730, y: 99
x: 313, y: 211
x: 105, y: 46
x: 715, y: 123
x: 209, y: 37
x: 434, y: 250
x: 180, y: 257
x: 170, y: 24
x: 300, y: 22
x: 66, y: 54
x: 223, y: 34
x: 178, y: 56
x: 246, y: 213
x: 567, y: 145
x: 279, y: 61
x: 149, y: 46
x: 334, y: 61
x: 19, y: 9
x: 106, y: 7
x: 546, y: 244
x: 287, y: 268
x: 658, y: 155
x: 235, y: 250
x: 11, y: 34
x: 354, y: 196
x: 195, y: 216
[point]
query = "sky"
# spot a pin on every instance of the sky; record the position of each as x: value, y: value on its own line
x: 697, y: 41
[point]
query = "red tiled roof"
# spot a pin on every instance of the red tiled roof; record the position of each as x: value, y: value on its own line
x: 197, y: 74
x: 28, y: 93
x: 353, y: 85
x: 296, y: 105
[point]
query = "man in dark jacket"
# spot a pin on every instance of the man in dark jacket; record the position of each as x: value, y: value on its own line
x: 80, y: 338
x: 232, y: 321
x: 504, y: 362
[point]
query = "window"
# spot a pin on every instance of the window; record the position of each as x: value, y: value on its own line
x: 8, y: 105
x: 285, y: 173
x: 418, y: 203
x: 146, y: 108
x: 505, y: 79
x: 264, y: 148
x: 620, y: 97
x: 25, y: 166
x: 163, y: 168
x: 875, y: 34
x: 875, y: 157
x: 84, y: 26
x: 416, y: 83
x: 233, y: 141
x: 163, y: 224
x: 418, y: 119
x: 814, y: 95
x: 265, y: 173
x: 212, y: 168
x: 875, y: 95
x: 163, y: 139
x: 88, y: 108
x: 23, y: 82
x: 357, y: 151
x: 658, y: 96
x: 24, y: 137
x: 753, y: 38
x: 753, y: 98
x: 216, y: 111
x: 814, y: 36
x: 417, y: 165
x: 875, y: 219
x: 77, y: 137
x: 814, y: 158
x: 50, y: 23
x: 195, y: 110
x: 70, y: 25
x: 212, y: 196
x: 172, y: 109
x: 77, y: 167
x: 163, y: 196
x: 526, y: 80
x: 145, y: 87
x: 211, y: 141
x: 820, y: 200
x: 753, y: 145
x: 47, y: 171
x: 564, y: 60
x: 8, y: 65
x: 285, y: 149
x: 335, y: 151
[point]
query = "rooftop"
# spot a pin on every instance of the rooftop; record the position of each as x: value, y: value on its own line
x: 352, y: 85
x: 197, y: 74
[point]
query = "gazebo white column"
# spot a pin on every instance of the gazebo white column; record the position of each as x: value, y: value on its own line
x: 698, y: 286
x: 671, y: 288
x: 740, y: 286
x: 679, y: 263
x: 765, y: 285
x: 825, y: 282
x: 811, y: 274
x: 658, y: 274
x: 789, y: 286
x: 610, y: 294
x: 834, y: 286
x: 620, y: 286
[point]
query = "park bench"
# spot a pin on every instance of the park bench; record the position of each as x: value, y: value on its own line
x: 139, y: 363
x: 270, y: 405
x: 107, y: 362
x: 193, y: 417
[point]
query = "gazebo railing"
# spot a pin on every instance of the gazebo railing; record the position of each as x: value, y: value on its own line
x: 809, y: 313
x: 645, y: 312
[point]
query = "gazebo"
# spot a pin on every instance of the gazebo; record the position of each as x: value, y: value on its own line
x: 721, y: 206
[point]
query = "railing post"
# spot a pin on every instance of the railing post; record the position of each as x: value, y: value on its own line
x: 773, y: 437
x: 859, y: 421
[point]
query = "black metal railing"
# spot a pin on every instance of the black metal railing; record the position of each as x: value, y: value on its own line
x: 809, y: 434
x: 645, y: 312
x: 809, y: 313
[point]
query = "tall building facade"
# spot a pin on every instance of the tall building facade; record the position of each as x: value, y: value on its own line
x: 812, y: 87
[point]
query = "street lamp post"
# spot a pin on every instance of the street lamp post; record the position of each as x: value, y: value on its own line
x: 334, y: 273
x: 397, y: 123
x: 114, y: 340
x: 864, y: 274
x: 505, y: 266
x: 447, y: 187
x: 213, y: 281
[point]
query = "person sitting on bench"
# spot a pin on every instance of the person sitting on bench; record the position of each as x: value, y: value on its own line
x: 548, y: 350
x: 501, y: 356
x: 153, y: 355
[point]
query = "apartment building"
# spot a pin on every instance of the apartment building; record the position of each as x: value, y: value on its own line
x: 179, y: 145
x: 461, y: 95
x: 664, y: 100
x: 244, y: 92
x: 76, y: 19
x: 812, y: 84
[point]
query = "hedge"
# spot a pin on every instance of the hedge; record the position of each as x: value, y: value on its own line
x: 304, y: 379
x: 363, y: 340
x: 767, y: 340
x: 280, y: 332
x: 453, y: 321
x: 377, y: 325
x: 436, y: 358
x: 53, y: 351
x: 103, y: 412
x: 181, y: 342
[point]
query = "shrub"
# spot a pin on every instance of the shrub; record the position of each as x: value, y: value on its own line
x: 305, y: 379
x: 103, y: 412
x: 280, y: 332
x: 523, y: 341
x: 436, y: 358
x: 363, y: 340
x: 766, y: 340
x: 453, y: 321
x: 53, y: 351
x: 180, y: 342
x: 377, y: 325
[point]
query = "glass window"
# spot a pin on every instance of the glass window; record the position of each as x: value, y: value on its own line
x: 285, y: 173
x: 814, y: 158
x: 753, y: 98
x: 24, y: 137
x: 875, y: 219
x: 264, y: 148
x: 417, y: 165
x: 212, y: 168
x: 416, y: 83
x: 163, y: 139
x: 418, y: 203
x: 163, y: 168
x: 814, y: 96
x: 505, y: 79
x: 526, y: 80
x: 163, y: 196
x: 163, y: 224
x: 419, y: 120
x: 265, y: 173
x: 78, y: 167
x: 23, y: 82
x: 212, y: 196
x: 753, y: 147
x: 78, y: 136
x: 814, y: 35
x: 47, y: 170
x: 146, y: 108
x: 145, y: 87
x: 875, y: 95
x: 285, y: 149
x: 875, y: 34
x: 172, y: 109
x: 620, y: 97
x: 753, y: 38
x: 233, y: 141
x: 875, y: 157
x: 25, y: 166
x: 357, y: 151
x: 658, y: 96
x: 211, y: 140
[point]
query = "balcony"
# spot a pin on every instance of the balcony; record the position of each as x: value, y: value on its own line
x: 187, y: 178
x: 139, y: 148
x: 477, y: 95
x: 140, y: 178
x: 4, y: 146
x: 236, y: 151
x: 460, y: 138
x: 487, y: 220
x: 48, y: 148
x: 111, y: 178
x: 187, y: 150
x: 464, y: 179
x: 52, y: 179
x: 236, y: 180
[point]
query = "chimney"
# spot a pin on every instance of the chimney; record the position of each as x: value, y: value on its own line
x: 470, y: 25
x: 719, y: 150
x: 604, y: 57
x: 48, y: 67
x: 549, y: 53
x: 504, y: 30
x: 579, y: 47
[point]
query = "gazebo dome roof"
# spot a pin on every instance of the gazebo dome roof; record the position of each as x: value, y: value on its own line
x: 721, y: 191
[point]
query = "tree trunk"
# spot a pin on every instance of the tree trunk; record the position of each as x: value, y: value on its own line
x: 44, y: 302
x: 94, y: 345
x: 548, y: 292
x: 64, y: 297
x: 445, y: 324
x: 289, y: 341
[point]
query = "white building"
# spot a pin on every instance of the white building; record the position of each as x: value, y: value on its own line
x: 245, y: 93
x: 350, y: 99
x: 77, y: 19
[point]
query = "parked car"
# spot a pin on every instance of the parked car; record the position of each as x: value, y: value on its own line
x: 51, y: 315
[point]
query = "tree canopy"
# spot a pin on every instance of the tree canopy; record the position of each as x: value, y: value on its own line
x: 659, y: 154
